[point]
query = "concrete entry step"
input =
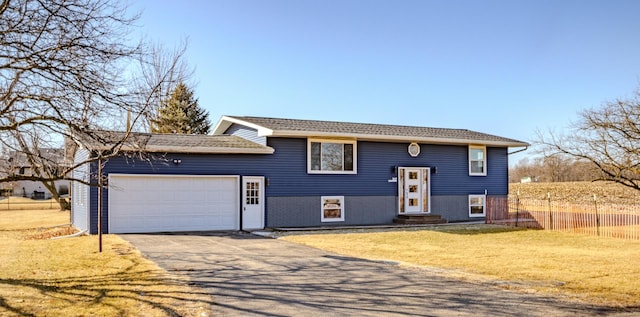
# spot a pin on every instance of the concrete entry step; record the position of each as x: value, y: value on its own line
x: 419, y: 219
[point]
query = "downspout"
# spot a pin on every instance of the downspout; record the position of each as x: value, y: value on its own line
x: 77, y: 234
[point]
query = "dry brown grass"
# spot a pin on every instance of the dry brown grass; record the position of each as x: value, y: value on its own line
x: 32, y: 219
x: 69, y: 277
x: 606, y: 192
x: 597, y: 270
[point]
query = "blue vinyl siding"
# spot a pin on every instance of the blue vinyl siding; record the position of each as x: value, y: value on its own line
x: 93, y: 204
x: 286, y: 175
x: 376, y: 165
x: 246, y: 133
x: 191, y: 164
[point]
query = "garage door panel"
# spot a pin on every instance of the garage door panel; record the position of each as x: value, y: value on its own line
x: 157, y: 224
x: 156, y: 203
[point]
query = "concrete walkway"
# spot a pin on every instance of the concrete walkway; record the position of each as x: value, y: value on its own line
x: 254, y: 276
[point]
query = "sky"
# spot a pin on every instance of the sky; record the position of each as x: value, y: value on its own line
x: 508, y: 68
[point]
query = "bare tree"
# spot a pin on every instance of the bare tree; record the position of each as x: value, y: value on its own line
x: 61, y: 77
x: 608, y: 137
x: 523, y: 168
x: 556, y: 168
x: 163, y: 71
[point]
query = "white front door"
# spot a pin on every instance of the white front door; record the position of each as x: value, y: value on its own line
x: 252, y: 202
x: 414, y: 190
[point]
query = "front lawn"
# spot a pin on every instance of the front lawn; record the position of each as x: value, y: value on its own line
x: 69, y: 277
x: 598, y: 270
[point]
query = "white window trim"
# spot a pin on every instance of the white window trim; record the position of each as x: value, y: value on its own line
x: 484, y: 205
x: 323, y: 199
x: 484, y: 161
x: 355, y: 156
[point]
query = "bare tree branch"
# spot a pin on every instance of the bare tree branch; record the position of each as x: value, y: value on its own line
x: 61, y: 78
x: 608, y: 137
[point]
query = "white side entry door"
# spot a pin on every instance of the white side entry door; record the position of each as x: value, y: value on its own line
x: 252, y: 202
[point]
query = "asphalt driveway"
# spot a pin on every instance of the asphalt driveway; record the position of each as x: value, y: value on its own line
x: 249, y: 275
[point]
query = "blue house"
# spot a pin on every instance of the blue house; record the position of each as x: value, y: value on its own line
x: 255, y: 172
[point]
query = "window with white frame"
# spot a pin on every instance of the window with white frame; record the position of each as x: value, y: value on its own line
x: 331, y: 156
x: 477, y: 160
x: 477, y: 205
x: 332, y: 208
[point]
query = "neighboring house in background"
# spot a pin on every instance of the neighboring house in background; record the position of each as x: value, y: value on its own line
x: 5, y: 189
x: 18, y: 165
x: 266, y: 172
x: 529, y: 179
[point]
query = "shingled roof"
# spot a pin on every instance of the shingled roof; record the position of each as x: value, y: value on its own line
x: 174, y: 143
x: 364, y: 131
x: 50, y: 156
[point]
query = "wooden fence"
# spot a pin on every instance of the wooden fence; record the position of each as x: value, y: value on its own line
x: 592, y: 218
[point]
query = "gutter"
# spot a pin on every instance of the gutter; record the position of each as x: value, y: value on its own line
x: 518, y: 151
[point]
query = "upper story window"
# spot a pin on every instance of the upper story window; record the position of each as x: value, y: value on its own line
x: 331, y: 156
x: 477, y: 160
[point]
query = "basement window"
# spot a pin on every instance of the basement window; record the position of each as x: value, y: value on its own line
x: 332, y: 208
x: 477, y: 205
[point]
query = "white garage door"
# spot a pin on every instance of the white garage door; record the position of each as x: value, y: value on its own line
x: 160, y: 203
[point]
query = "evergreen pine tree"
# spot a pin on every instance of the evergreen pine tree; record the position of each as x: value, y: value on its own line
x: 180, y: 113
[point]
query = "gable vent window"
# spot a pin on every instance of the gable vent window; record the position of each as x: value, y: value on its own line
x: 331, y: 157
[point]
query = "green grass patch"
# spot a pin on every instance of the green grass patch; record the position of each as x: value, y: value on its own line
x: 69, y: 277
x: 597, y: 270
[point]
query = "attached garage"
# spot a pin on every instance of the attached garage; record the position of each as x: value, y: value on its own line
x: 165, y: 203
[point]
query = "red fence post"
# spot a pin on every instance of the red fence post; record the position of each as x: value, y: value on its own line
x: 549, y: 208
x: 595, y: 203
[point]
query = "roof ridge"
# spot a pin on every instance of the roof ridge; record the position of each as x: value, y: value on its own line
x: 140, y: 133
x: 350, y: 122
